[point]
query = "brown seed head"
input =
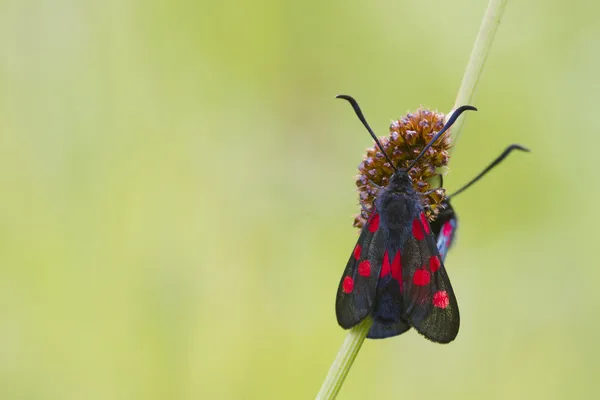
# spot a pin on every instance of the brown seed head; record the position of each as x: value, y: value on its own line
x: 408, y: 135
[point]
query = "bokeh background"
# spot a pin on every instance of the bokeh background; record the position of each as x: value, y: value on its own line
x: 178, y: 195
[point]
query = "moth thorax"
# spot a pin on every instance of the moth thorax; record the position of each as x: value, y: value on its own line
x: 400, y: 182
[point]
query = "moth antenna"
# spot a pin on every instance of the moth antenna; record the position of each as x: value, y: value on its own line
x: 360, y: 116
x: 487, y: 169
x: 448, y: 124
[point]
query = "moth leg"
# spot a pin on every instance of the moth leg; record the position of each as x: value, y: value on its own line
x: 376, y: 186
x: 365, y: 209
x: 434, y: 189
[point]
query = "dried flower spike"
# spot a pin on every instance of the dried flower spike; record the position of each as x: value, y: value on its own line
x: 408, y: 136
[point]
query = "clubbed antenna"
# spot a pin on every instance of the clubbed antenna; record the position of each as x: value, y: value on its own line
x: 360, y: 116
x: 448, y: 124
x: 487, y: 169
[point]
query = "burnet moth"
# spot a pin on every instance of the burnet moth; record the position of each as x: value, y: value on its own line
x: 445, y: 224
x: 395, y: 273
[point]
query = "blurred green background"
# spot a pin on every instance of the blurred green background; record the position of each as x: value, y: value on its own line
x: 178, y: 195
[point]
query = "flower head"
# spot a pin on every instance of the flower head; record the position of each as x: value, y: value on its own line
x: 408, y: 136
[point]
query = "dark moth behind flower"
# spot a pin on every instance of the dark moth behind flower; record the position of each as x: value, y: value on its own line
x: 395, y: 273
x: 445, y: 223
x: 408, y: 136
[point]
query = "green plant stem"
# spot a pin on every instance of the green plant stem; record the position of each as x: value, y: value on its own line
x: 356, y: 336
x: 481, y: 48
x: 345, y: 357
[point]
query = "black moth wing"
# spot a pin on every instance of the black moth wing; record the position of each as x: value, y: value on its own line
x: 358, y: 287
x: 399, y: 206
x: 431, y: 306
x: 381, y: 331
x: 446, y: 214
x: 389, y: 316
x: 444, y: 228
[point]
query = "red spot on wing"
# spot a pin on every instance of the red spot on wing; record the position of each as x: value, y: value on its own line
x: 441, y: 299
x: 417, y: 229
x: 425, y: 223
x: 374, y: 223
x: 385, y: 266
x: 421, y: 277
x: 348, y: 284
x: 434, y: 263
x: 397, y: 269
x: 364, y: 268
x: 447, y: 229
x: 357, y: 251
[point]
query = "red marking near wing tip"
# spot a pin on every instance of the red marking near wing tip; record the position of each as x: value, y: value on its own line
x: 348, y: 284
x: 417, y: 229
x: 447, y: 229
x: 441, y: 299
x: 385, y: 265
x: 357, y: 251
x: 425, y: 223
x: 374, y: 223
x: 421, y: 277
x: 364, y: 268
x: 434, y: 263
